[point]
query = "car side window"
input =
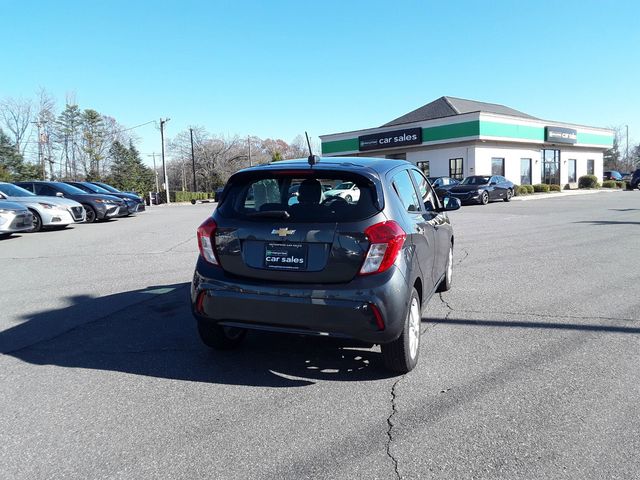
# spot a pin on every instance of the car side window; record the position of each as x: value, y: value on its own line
x: 44, y: 190
x: 404, y: 188
x: 425, y: 191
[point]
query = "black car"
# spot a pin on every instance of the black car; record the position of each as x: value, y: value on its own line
x: 360, y: 270
x: 612, y: 175
x: 97, y: 206
x: 483, y: 189
x: 132, y: 199
x: 635, y: 180
x: 132, y: 202
x: 442, y: 185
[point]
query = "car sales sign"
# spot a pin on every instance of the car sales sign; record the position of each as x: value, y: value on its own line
x: 396, y: 138
x: 560, y: 135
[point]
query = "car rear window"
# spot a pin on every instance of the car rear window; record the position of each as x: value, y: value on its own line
x: 306, y: 196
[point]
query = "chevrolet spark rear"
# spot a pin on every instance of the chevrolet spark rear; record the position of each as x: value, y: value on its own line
x: 306, y: 263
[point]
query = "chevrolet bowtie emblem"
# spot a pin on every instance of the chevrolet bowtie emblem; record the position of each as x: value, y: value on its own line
x: 282, y: 232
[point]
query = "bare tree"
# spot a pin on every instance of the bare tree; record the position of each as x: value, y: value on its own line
x: 16, y: 116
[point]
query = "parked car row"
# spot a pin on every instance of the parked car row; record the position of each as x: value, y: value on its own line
x: 480, y: 189
x: 36, y: 205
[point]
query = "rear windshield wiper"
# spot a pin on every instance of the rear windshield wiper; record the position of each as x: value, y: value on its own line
x: 270, y: 214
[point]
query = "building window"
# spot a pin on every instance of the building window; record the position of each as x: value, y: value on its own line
x: 550, y: 167
x: 571, y: 170
x: 397, y: 156
x: 497, y: 166
x: 455, y: 168
x: 591, y: 167
x: 525, y: 171
x: 424, y: 167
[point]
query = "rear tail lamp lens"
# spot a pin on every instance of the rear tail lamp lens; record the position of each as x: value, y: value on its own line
x: 387, y: 239
x: 206, y: 240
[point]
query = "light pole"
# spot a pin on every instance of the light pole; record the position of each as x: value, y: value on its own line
x: 155, y: 172
x: 193, y: 162
x: 164, y: 165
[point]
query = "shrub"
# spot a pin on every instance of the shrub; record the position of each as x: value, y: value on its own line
x: 609, y: 184
x: 530, y: 188
x: 621, y: 184
x: 541, y: 187
x: 588, y: 181
x: 554, y: 188
x: 567, y: 187
x: 184, y: 196
x: 521, y: 190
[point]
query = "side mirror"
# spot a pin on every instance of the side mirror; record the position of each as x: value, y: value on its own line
x: 450, y: 203
x: 59, y: 194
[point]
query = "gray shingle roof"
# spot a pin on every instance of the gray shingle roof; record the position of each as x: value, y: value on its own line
x: 450, y: 106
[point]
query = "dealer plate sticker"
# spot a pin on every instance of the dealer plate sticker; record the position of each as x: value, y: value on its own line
x: 285, y: 256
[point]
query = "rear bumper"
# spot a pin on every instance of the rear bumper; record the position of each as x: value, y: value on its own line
x: 341, y: 310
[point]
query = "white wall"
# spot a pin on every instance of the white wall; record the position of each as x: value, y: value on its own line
x: 439, y: 159
x: 512, y: 156
x: 581, y: 156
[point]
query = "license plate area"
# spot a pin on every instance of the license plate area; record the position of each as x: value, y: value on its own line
x: 285, y: 256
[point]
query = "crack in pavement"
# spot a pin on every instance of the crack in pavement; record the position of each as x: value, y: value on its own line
x: 466, y: 254
x: 390, y: 426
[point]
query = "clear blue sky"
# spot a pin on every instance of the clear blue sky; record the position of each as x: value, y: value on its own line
x: 277, y: 68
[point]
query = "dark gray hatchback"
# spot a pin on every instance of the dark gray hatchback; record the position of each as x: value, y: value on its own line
x: 318, y: 263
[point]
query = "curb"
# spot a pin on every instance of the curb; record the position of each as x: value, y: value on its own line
x: 542, y: 196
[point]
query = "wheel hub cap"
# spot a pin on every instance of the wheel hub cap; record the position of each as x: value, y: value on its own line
x: 414, y: 328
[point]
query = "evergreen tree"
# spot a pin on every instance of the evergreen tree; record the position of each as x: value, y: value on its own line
x: 12, y: 165
x: 128, y: 172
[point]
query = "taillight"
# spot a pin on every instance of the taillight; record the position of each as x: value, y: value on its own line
x: 386, y: 240
x: 206, y: 239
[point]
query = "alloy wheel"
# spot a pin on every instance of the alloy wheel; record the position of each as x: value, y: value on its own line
x: 414, y: 327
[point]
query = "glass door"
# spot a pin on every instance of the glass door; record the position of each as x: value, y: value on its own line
x: 551, y: 167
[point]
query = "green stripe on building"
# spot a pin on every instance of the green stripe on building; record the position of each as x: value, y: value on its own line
x: 348, y: 145
x: 507, y: 130
x: 593, y: 139
x: 453, y: 130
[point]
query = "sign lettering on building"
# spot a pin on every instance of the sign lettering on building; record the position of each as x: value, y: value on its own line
x: 560, y: 135
x: 396, y: 138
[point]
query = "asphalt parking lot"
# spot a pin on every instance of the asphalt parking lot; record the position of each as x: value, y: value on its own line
x: 528, y: 368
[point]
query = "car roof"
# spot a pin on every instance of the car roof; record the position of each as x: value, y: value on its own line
x: 379, y: 165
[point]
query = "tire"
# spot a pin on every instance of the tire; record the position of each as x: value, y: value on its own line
x: 219, y: 337
x: 37, y: 222
x: 92, y: 216
x: 484, y: 198
x: 348, y: 198
x: 5, y: 235
x: 509, y: 195
x: 401, y: 355
x: 445, y: 284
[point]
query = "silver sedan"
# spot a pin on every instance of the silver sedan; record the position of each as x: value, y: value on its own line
x: 14, y: 218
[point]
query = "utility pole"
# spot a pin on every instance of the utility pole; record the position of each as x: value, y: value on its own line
x: 626, y: 158
x: 193, y: 162
x: 155, y: 172
x: 43, y: 164
x: 249, y: 143
x: 164, y: 165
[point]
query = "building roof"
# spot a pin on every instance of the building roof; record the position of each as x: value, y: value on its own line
x: 451, y: 106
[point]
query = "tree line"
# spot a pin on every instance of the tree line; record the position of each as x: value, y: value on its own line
x: 617, y: 157
x: 38, y: 141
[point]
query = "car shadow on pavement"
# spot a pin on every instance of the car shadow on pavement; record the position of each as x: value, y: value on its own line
x: 151, y: 332
x: 608, y: 222
x: 537, y: 325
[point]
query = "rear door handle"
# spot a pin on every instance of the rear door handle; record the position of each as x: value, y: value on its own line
x: 419, y: 229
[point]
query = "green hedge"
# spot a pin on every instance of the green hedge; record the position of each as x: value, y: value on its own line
x: 621, y: 184
x: 185, y: 196
x: 554, y: 188
x: 541, y: 188
x: 530, y: 188
x: 588, y: 181
x: 521, y: 190
x: 609, y: 184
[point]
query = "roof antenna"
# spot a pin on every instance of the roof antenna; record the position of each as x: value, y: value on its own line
x: 312, y: 159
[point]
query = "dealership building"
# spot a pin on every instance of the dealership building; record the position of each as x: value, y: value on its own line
x: 457, y: 138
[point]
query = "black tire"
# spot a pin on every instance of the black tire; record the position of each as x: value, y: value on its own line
x: 509, y: 195
x: 398, y: 356
x: 348, y: 198
x: 37, y: 222
x: 92, y: 216
x: 5, y: 235
x: 445, y: 284
x: 484, y: 198
x: 218, y: 337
